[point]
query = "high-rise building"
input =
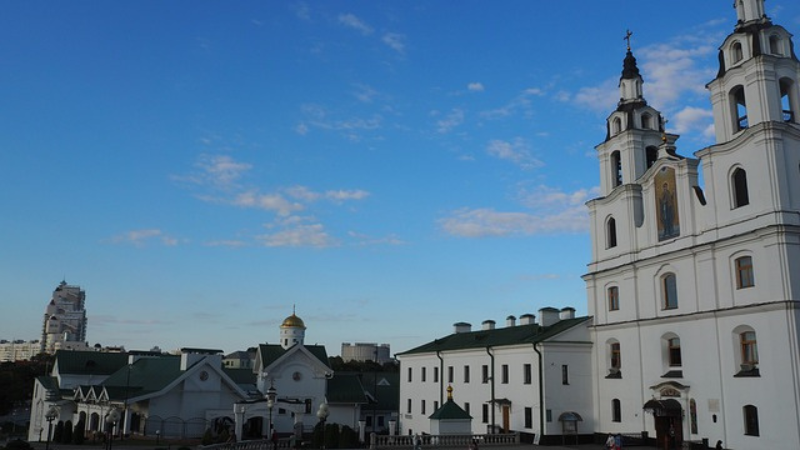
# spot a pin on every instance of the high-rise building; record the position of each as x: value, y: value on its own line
x: 361, y: 351
x: 64, y: 325
x: 695, y: 287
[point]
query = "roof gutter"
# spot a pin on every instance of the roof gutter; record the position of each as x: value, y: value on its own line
x: 541, y: 392
x: 491, y: 386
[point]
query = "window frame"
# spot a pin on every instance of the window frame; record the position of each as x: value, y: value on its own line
x: 527, y: 373
x: 669, y: 291
x: 743, y: 267
x: 750, y: 417
x: 504, y: 374
x: 612, y: 296
x: 674, y: 356
x: 616, y: 410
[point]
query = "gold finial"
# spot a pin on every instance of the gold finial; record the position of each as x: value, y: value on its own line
x: 628, y: 34
x: 449, y: 392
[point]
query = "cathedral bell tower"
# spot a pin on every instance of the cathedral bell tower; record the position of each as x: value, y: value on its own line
x: 758, y: 74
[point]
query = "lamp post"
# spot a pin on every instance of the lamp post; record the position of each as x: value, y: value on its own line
x: 272, y: 393
x: 111, y: 422
x: 51, y: 414
x: 158, y: 436
x: 322, y: 414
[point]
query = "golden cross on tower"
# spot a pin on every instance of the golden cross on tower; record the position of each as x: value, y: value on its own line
x: 628, y: 34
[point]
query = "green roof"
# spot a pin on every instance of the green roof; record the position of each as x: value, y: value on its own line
x: 89, y: 363
x: 241, y: 376
x: 450, y: 411
x: 513, y: 335
x: 387, y: 391
x: 271, y: 352
x: 146, y: 375
x: 346, y: 388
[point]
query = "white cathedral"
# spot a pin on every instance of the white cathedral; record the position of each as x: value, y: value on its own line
x: 695, y: 290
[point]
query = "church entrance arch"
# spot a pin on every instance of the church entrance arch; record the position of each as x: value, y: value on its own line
x: 668, y: 417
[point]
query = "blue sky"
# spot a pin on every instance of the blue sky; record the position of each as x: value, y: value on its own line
x: 390, y: 168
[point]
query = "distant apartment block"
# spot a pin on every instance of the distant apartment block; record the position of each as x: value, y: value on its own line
x: 366, y: 352
x: 18, y: 350
x: 64, y: 324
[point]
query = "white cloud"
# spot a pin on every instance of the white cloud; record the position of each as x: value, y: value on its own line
x: 691, y: 119
x: 602, y: 98
x: 451, y: 121
x: 141, y: 237
x: 552, y: 211
x: 366, y: 240
x: 342, y: 195
x: 475, y: 87
x: 270, y: 202
x: 351, y: 21
x: 516, y: 152
x: 522, y: 102
x: 395, y: 41
x: 294, y: 232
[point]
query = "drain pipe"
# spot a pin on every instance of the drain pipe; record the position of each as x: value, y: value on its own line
x: 491, y: 386
x: 541, y: 393
x: 441, y: 377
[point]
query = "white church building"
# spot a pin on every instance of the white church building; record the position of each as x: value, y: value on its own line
x: 694, y: 289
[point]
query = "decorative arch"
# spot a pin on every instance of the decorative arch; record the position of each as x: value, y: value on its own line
x: 745, y: 346
x: 737, y: 52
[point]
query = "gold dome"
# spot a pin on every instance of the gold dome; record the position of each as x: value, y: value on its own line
x: 294, y: 322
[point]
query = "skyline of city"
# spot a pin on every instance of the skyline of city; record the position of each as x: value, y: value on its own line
x: 201, y: 170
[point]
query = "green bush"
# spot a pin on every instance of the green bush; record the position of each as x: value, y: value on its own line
x: 348, y: 438
x: 318, y: 436
x: 224, y: 436
x: 66, y: 438
x: 58, y: 432
x: 79, y: 433
x: 18, y: 444
x: 208, y: 438
x: 331, y: 435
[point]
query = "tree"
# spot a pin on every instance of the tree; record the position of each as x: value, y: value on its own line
x: 79, y: 433
x: 59, y: 431
x: 66, y: 438
x: 331, y: 435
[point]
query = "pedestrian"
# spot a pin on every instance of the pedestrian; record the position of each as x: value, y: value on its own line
x: 417, y: 442
x: 618, y: 441
x: 611, y: 442
x: 718, y: 446
x: 473, y: 445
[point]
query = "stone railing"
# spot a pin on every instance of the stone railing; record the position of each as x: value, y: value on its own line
x: 247, y: 445
x: 444, y: 440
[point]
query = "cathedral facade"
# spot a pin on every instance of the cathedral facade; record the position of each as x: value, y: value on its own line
x: 695, y: 289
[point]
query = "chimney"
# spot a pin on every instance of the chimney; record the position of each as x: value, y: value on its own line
x: 527, y: 319
x: 190, y: 356
x: 567, y: 313
x: 548, y: 316
x: 488, y: 325
x: 511, y: 321
x: 462, y: 327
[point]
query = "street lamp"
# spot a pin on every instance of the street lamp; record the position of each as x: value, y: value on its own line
x: 51, y: 414
x: 272, y: 393
x: 111, y: 422
x: 158, y: 436
x: 322, y: 414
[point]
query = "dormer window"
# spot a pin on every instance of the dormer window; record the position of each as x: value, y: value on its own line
x: 775, y: 45
x: 647, y: 121
x: 616, y: 126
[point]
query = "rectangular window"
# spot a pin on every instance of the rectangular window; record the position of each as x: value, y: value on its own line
x: 616, y: 356
x: 527, y: 374
x: 423, y: 375
x: 674, y: 345
x: 744, y: 272
x: 564, y: 374
x: 449, y: 374
x: 409, y: 374
x: 613, y: 298
x: 485, y: 413
x: 505, y: 374
x: 485, y: 373
x: 528, y: 417
x: 466, y: 374
x: 422, y: 407
x: 749, y: 348
x: 436, y: 405
x: 616, y: 410
x: 549, y: 415
x: 466, y: 407
x: 408, y: 407
x: 435, y: 374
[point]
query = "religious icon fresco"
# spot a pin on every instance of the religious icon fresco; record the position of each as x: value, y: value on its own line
x: 669, y: 225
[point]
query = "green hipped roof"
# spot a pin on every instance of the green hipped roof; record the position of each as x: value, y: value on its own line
x: 450, y: 411
x: 89, y: 363
x: 146, y: 375
x: 514, y: 335
x: 241, y: 376
x: 345, y: 388
x: 271, y: 352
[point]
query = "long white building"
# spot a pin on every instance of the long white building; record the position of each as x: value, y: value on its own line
x: 694, y: 289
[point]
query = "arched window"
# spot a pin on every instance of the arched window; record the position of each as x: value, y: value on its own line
x: 788, y: 96
x: 647, y: 121
x: 750, y: 420
x: 616, y: 168
x: 775, y: 45
x: 744, y: 272
x: 749, y: 348
x: 740, y: 107
x: 616, y: 410
x: 613, y: 298
x: 611, y: 233
x: 674, y: 352
x: 616, y: 126
x: 669, y: 291
x: 736, y: 52
x: 739, y: 184
x: 651, y: 155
